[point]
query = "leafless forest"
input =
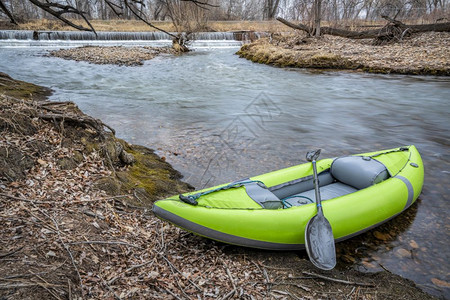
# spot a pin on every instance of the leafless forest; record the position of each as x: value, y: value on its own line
x: 302, y: 10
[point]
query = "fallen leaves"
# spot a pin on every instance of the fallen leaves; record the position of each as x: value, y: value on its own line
x: 440, y: 283
x: 61, y: 237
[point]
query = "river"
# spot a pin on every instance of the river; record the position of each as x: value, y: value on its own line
x: 216, y: 118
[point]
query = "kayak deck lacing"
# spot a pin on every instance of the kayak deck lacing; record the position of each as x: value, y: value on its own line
x: 192, y: 199
x: 406, y: 148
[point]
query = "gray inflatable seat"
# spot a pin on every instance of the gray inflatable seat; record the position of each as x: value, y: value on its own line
x: 327, y: 192
x: 352, y: 174
x: 359, y: 172
x: 263, y: 196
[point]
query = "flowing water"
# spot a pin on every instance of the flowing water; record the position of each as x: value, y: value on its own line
x: 216, y: 118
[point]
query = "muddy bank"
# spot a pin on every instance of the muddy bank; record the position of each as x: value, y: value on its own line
x: 75, y: 205
x: 420, y: 54
x: 117, y: 55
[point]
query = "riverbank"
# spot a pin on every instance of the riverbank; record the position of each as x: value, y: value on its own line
x: 420, y: 54
x: 123, y: 56
x: 75, y: 203
x: 139, y: 26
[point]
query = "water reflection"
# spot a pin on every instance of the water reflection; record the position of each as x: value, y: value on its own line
x: 218, y: 118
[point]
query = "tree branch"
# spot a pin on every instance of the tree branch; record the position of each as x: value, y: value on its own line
x: 137, y: 15
x: 201, y: 4
x: 113, y: 7
x: 7, y: 12
x: 57, y: 10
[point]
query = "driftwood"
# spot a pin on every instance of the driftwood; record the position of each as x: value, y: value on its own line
x: 393, y: 30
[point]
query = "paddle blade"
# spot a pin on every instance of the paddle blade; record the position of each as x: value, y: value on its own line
x: 319, y: 242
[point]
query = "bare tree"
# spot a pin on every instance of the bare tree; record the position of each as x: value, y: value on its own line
x: 187, y: 16
x: 270, y: 8
x: 317, y: 16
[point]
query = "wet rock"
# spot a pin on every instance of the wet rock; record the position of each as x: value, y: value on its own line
x: 382, y: 236
x: 440, y: 283
x: 127, y: 158
x: 124, y: 156
x: 401, y: 253
x: 413, y: 244
x: 348, y: 258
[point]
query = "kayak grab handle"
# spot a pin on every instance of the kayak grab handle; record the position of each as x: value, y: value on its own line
x: 188, y: 199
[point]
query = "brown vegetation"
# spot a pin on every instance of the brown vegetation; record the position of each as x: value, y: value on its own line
x: 421, y: 54
x: 137, y: 26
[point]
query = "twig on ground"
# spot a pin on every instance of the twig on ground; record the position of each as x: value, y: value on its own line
x: 8, y: 286
x: 105, y: 243
x: 301, y: 286
x: 44, y: 286
x: 111, y: 281
x: 111, y: 290
x: 181, y: 273
x: 339, y: 280
x: 229, y: 294
x: 171, y: 293
x: 231, y: 278
x: 65, y: 247
x: 286, y: 293
x: 11, y: 253
x: 69, y: 289
x: 26, y: 200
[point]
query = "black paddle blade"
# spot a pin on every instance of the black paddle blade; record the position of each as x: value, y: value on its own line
x: 313, y: 155
x: 319, y: 242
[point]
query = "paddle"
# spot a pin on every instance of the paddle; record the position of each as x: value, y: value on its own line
x: 319, y: 240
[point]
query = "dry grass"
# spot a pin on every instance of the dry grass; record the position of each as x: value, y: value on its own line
x: 221, y: 26
x: 134, y: 25
x: 99, y: 25
x: 421, y: 54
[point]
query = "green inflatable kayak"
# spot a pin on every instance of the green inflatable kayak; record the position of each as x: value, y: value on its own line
x: 271, y: 211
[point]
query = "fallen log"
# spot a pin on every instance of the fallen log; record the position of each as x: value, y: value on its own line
x: 385, y: 32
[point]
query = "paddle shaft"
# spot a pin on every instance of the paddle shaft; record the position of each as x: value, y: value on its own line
x: 316, y: 188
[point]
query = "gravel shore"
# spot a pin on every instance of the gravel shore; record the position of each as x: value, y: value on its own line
x: 117, y: 55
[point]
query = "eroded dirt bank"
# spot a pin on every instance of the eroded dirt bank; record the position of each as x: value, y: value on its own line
x: 420, y: 54
x: 76, y: 222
